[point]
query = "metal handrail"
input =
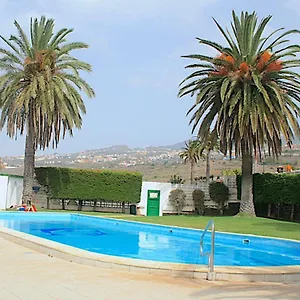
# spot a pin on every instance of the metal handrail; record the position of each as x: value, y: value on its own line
x: 211, y: 254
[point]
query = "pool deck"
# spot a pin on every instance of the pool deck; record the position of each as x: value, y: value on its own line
x: 30, y: 275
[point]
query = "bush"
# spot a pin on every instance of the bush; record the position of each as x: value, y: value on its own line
x: 76, y: 184
x: 198, y: 199
x: 177, y: 199
x: 176, y: 179
x: 274, y: 188
x: 232, y: 172
x: 219, y: 193
x: 275, y: 194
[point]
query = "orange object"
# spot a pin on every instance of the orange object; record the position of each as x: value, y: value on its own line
x: 266, y: 56
x: 222, y: 56
x: 32, y: 208
x: 263, y: 60
x: 274, y: 66
x: 244, y: 67
x: 289, y: 168
x: 230, y: 59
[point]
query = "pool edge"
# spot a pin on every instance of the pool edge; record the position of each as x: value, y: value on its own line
x: 54, y: 249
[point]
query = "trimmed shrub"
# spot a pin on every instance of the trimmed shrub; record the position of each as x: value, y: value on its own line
x: 219, y: 193
x: 76, y: 184
x: 274, y: 188
x: 177, y: 199
x: 198, y: 199
x: 275, y: 195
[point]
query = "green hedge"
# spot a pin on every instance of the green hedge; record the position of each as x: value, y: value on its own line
x: 274, y: 188
x: 76, y: 184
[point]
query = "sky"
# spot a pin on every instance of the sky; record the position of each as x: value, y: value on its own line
x: 135, y: 50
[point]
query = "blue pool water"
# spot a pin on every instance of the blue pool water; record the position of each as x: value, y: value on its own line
x: 151, y: 242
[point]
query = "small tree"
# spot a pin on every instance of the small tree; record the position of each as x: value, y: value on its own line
x: 219, y: 193
x: 176, y: 179
x: 2, y: 166
x: 191, y: 154
x: 177, y: 198
x: 198, y: 199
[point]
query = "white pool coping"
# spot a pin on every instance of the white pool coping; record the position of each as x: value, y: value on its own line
x: 228, y: 273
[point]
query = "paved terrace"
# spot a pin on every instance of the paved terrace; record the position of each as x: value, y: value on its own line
x: 26, y: 274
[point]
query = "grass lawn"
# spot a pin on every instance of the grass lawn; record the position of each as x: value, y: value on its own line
x: 257, y: 226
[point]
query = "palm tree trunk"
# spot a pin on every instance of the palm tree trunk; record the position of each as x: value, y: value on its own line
x: 192, y: 171
x: 247, y: 205
x: 208, y: 165
x: 29, y: 163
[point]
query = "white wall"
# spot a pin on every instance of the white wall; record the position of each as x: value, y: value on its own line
x: 164, y: 188
x: 3, y: 191
x: 10, y: 191
x: 14, y: 191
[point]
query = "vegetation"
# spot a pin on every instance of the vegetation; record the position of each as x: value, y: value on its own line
x: 232, y: 172
x: 198, y: 199
x: 41, y: 89
x: 275, y: 189
x: 177, y: 199
x: 176, y: 179
x: 208, y: 144
x: 191, y: 154
x: 2, y: 166
x: 219, y: 193
x: 244, y: 225
x: 76, y: 184
x: 247, y: 93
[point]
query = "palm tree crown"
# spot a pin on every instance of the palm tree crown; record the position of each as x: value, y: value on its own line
x: 41, y: 81
x: 191, y: 154
x: 208, y: 144
x: 249, y: 86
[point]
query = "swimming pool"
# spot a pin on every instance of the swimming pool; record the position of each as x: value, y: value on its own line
x: 152, y: 242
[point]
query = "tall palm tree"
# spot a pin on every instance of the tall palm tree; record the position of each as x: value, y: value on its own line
x: 208, y: 144
x: 248, y: 93
x: 40, y: 89
x: 191, y: 154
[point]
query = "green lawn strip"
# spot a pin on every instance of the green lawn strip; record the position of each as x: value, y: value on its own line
x: 256, y: 226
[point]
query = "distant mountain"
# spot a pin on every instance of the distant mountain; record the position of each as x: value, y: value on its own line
x: 177, y: 146
x: 115, y: 149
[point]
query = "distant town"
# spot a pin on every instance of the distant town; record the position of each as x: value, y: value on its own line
x: 156, y: 163
x: 115, y: 156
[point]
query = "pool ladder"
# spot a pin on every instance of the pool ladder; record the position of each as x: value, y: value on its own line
x: 211, y: 255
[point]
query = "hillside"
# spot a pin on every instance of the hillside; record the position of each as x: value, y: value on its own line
x: 155, y: 163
